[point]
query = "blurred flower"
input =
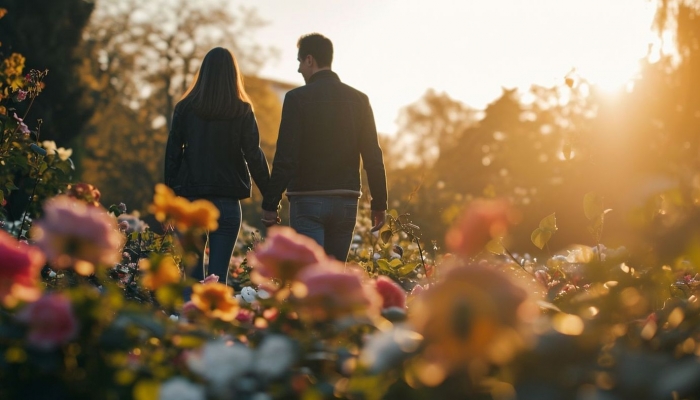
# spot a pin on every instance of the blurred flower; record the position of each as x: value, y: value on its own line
x: 85, y: 192
x: 21, y: 95
x: 165, y: 272
x: 211, y: 278
x: 330, y: 292
x: 386, y: 349
x: 185, y: 214
x: 391, y: 293
x: 221, y: 365
x: 283, y: 254
x: 179, y: 388
x: 482, y: 221
x: 135, y: 224
x: 19, y: 270
x: 465, y: 316
x: 274, y: 356
x: 71, y: 233
x: 122, y: 207
x: 215, y: 300
x: 21, y: 126
x: 63, y: 154
x: 51, y: 321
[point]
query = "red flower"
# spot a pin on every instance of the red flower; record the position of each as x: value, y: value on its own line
x: 51, y: 321
x: 392, y: 294
x: 19, y: 270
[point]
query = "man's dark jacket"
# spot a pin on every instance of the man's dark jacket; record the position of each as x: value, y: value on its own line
x: 212, y: 157
x: 327, y: 126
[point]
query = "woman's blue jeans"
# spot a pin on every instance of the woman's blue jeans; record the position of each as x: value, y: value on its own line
x: 329, y: 220
x: 222, y: 240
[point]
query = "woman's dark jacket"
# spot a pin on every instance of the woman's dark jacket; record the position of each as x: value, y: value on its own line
x: 214, y: 157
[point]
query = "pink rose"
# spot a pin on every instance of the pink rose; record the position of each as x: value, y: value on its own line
x: 73, y: 234
x: 19, y: 270
x: 51, y: 321
x: 331, y: 292
x: 391, y: 293
x: 482, y: 221
x: 283, y: 254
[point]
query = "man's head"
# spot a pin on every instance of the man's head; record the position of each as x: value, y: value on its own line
x: 315, y: 53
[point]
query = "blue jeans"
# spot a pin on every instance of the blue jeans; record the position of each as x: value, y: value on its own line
x: 222, y: 240
x: 329, y: 220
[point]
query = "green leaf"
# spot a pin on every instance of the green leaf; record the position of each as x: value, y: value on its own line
x: 540, y: 237
x: 384, y: 265
x: 596, y: 227
x: 495, y: 246
x: 592, y: 205
x: 395, y: 263
x: 386, y: 235
x: 2, y: 196
x: 407, y: 269
x: 549, y: 223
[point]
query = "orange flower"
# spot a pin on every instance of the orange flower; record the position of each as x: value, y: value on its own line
x: 215, y: 300
x: 185, y: 214
x: 166, y: 272
x: 467, y: 316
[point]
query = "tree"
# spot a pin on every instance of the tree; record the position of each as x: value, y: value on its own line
x: 140, y: 57
x: 48, y: 34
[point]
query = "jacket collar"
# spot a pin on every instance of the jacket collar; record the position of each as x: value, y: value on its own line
x: 324, y: 74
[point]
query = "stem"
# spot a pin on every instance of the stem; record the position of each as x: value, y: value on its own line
x: 26, y: 208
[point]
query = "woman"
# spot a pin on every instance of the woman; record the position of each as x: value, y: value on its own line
x: 213, y: 149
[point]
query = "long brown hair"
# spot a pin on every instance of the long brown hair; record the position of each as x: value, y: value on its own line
x: 217, y: 90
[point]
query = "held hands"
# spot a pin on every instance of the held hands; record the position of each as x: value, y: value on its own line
x: 378, y: 219
x: 270, y: 218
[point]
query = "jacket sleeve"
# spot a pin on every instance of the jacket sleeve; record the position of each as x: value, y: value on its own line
x: 373, y: 161
x: 253, y: 154
x: 173, y: 150
x: 286, y: 155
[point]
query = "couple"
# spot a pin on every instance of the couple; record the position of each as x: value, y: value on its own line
x: 327, y: 127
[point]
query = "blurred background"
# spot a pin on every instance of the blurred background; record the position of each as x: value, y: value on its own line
x: 537, y: 102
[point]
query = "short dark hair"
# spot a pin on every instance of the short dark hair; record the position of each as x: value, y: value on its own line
x: 318, y: 46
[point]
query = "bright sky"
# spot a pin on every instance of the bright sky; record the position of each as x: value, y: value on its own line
x: 394, y: 50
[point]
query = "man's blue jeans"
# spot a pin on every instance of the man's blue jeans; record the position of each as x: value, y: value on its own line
x: 222, y: 240
x: 329, y: 220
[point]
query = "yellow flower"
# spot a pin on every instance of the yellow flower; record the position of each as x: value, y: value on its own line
x: 185, y: 214
x: 215, y: 300
x: 165, y: 273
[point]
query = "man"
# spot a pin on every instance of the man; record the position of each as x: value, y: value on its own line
x: 327, y: 127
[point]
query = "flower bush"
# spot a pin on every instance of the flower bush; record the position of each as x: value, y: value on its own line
x: 91, y: 301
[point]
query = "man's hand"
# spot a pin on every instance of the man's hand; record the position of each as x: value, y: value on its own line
x: 270, y: 218
x: 378, y: 219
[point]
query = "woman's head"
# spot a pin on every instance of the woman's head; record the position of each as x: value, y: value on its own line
x: 217, y: 91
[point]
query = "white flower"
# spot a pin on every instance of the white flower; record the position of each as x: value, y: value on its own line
x: 221, y: 364
x: 179, y: 388
x: 274, y: 356
x: 64, y: 154
x: 386, y: 349
x: 248, y: 294
x: 50, y: 146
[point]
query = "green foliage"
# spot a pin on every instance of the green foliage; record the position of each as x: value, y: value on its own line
x: 544, y: 232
